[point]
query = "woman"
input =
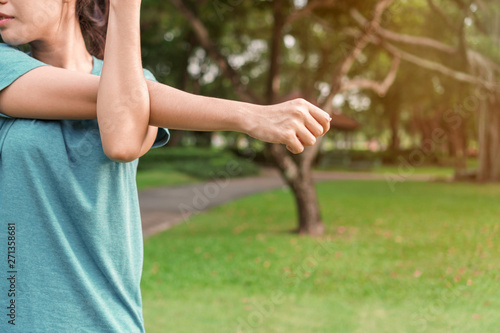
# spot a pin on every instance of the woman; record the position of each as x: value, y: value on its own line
x: 72, y: 127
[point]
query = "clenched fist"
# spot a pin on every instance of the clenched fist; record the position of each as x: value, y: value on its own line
x: 296, y: 124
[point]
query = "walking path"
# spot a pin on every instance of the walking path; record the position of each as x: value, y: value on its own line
x: 162, y: 208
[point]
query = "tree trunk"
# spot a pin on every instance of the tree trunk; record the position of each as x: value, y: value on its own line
x: 457, y: 148
x: 296, y: 173
x: 301, y: 183
x: 392, y: 105
x: 488, y: 130
x: 458, y: 136
x: 295, y: 169
x: 483, y: 154
x: 494, y: 144
x: 460, y: 150
x: 307, y: 206
x: 394, y: 124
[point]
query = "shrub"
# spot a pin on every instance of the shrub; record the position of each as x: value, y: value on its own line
x: 202, y: 163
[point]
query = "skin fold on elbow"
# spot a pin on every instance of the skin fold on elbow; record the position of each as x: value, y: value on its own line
x: 126, y: 142
x: 121, y: 154
x: 124, y: 151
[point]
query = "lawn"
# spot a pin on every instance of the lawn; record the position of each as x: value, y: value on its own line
x: 406, y: 169
x: 424, y: 258
x: 440, y: 172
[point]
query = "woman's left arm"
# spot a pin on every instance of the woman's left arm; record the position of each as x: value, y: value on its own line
x: 123, y: 103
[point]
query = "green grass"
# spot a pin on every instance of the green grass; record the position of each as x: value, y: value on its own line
x: 424, y: 170
x: 436, y: 171
x: 424, y: 258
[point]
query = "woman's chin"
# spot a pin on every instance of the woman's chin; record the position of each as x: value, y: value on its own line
x: 12, y: 40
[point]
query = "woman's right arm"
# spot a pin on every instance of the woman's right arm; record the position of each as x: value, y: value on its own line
x: 49, y: 92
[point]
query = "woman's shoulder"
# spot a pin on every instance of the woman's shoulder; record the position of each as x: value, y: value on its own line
x: 5, y: 46
x: 8, y: 51
x: 15, y: 57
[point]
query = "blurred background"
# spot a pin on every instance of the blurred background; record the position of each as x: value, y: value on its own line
x: 419, y: 75
x: 388, y: 224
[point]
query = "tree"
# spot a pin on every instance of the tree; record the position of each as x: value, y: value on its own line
x: 296, y: 170
x: 270, y: 51
x: 480, y: 71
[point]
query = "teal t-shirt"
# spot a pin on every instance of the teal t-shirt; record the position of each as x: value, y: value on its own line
x: 70, y: 227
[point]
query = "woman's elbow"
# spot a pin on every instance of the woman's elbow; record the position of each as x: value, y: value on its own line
x: 122, y: 154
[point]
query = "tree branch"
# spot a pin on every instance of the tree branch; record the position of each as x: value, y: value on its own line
x: 201, y: 32
x: 380, y: 88
x: 459, y: 76
x: 406, y: 39
x: 289, y: 169
x: 475, y: 57
x: 309, y: 8
x: 344, y: 67
x: 442, y: 15
x: 284, y: 161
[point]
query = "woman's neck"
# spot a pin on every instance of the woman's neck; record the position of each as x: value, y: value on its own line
x: 65, y: 49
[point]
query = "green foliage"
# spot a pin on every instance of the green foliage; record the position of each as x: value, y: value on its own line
x: 350, y: 159
x: 163, y: 175
x: 315, y: 44
x: 200, y: 164
x: 368, y: 160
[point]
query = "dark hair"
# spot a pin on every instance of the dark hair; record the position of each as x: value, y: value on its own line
x: 93, y: 17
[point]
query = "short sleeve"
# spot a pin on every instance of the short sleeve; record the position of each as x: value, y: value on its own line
x: 13, y: 64
x: 163, y: 135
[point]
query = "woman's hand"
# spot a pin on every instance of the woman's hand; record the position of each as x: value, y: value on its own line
x: 296, y: 123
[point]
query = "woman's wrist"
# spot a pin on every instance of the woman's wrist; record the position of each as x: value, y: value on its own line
x: 124, y: 5
x: 128, y: 13
x: 244, y: 118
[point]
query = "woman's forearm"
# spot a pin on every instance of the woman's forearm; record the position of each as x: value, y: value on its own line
x: 55, y: 93
x: 123, y: 105
x: 295, y: 123
x: 176, y: 109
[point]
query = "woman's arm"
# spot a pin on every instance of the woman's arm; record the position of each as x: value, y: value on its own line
x: 123, y: 97
x: 49, y: 92
x: 295, y: 123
